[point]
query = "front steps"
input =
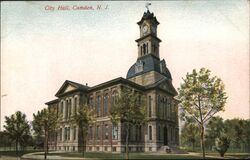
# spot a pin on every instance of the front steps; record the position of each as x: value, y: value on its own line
x: 171, y: 149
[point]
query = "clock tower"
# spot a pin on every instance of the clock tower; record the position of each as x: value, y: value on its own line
x: 148, y: 43
x: 148, y: 68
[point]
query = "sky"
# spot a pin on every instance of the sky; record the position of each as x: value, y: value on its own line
x: 41, y: 47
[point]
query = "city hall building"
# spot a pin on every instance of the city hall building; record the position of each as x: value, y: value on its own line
x: 150, y: 77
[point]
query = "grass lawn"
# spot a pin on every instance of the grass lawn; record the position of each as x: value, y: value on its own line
x: 99, y: 155
x: 13, y: 153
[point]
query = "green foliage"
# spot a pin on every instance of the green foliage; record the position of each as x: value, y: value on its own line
x: 4, y: 140
x: 17, y: 128
x: 130, y: 110
x: 201, y: 97
x: 239, y: 132
x: 83, y: 118
x: 44, y: 123
x: 222, y: 144
x: 190, y: 134
x: 214, y: 129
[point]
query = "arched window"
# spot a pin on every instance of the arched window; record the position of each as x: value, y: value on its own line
x: 114, y: 98
x: 75, y: 105
x: 66, y: 109
x: 69, y: 107
x: 106, y: 104
x: 98, y: 105
x: 141, y: 51
x: 144, y: 49
x: 147, y: 48
x: 61, y: 108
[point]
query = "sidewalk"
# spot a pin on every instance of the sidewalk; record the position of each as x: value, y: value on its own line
x: 37, y: 155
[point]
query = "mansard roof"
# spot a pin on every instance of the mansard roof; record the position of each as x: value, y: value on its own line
x: 150, y: 63
x: 147, y: 15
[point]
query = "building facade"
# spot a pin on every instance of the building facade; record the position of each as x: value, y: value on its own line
x: 149, y: 76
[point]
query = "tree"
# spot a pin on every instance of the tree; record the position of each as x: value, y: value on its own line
x: 222, y: 144
x: 246, y: 135
x: 214, y: 129
x: 189, y: 133
x: 17, y: 128
x: 44, y: 123
x: 83, y: 118
x: 5, y: 140
x: 201, y: 96
x: 238, y: 131
x: 130, y: 110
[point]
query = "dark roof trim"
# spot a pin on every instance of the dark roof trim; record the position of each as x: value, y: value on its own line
x: 148, y: 36
x: 118, y: 80
x: 77, y: 85
x: 171, y: 90
x: 52, y: 102
x: 147, y: 15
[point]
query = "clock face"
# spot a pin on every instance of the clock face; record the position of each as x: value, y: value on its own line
x: 145, y: 29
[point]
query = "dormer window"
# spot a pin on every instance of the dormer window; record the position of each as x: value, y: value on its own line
x: 138, y: 66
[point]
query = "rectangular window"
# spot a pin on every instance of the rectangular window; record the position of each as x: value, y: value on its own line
x: 168, y: 110
x: 65, y: 133
x: 60, y: 134
x: 68, y: 133
x: 97, y: 132
x: 158, y: 106
x: 149, y: 106
x: 90, y: 133
x: 115, y: 132
x: 150, y: 132
x: 136, y: 132
x: 159, y: 133
x: 139, y: 134
x: 74, y: 134
x: 106, y: 131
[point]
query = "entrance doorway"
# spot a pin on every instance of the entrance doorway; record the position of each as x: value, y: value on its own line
x: 165, y: 136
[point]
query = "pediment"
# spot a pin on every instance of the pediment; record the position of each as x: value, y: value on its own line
x: 165, y: 85
x: 69, y: 86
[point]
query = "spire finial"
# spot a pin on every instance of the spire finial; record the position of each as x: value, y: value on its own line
x: 147, y: 4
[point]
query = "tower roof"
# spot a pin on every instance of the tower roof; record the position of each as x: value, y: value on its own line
x: 148, y: 16
x: 150, y: 63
